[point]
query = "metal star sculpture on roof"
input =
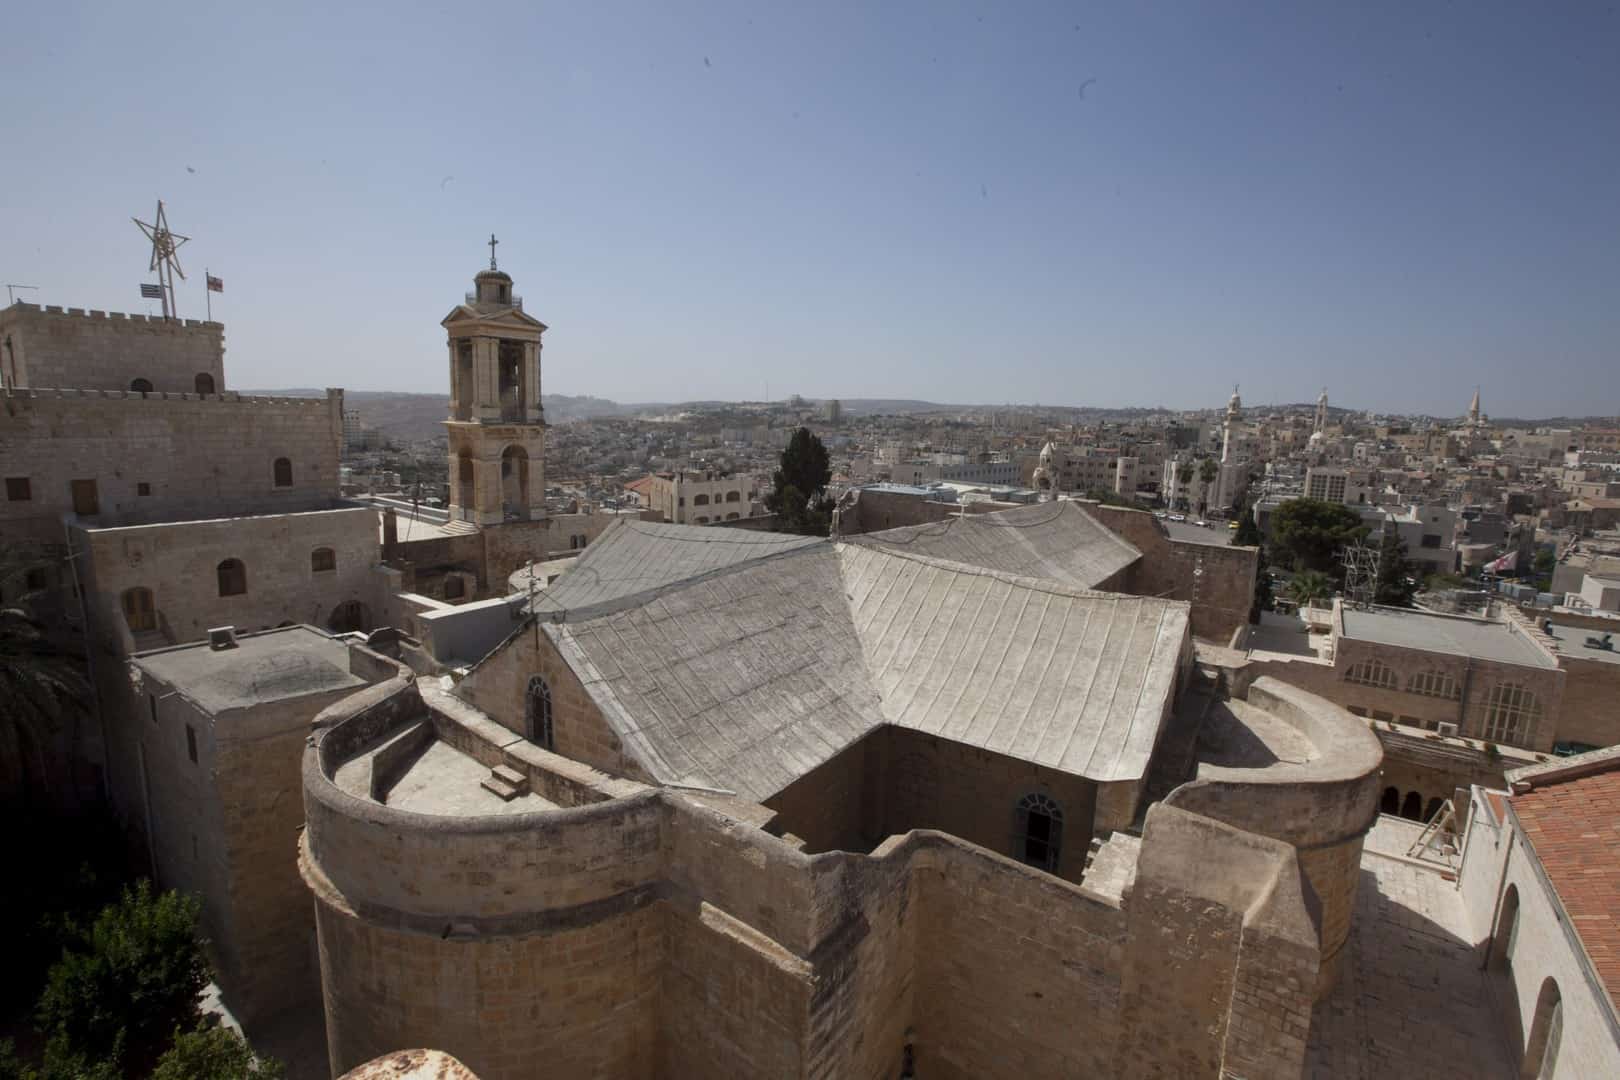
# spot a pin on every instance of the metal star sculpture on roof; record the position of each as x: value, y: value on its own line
x: 165, y: 260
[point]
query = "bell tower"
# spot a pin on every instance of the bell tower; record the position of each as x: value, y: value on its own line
x: 497, y: 428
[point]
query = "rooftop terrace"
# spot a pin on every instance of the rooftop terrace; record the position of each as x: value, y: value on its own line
x: 1455, y: 635
x: 274, y: 665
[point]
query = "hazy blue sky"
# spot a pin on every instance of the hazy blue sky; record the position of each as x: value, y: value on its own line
x: 907, y: 200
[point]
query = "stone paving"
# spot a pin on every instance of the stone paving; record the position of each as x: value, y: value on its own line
x: 1412, y: 1001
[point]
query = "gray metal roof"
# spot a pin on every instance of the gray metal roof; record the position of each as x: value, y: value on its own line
x: 270, y: 666
x: 633, y: 557
x: 1058, y: 541
x: 748, y: 679
x: 1456, y: 635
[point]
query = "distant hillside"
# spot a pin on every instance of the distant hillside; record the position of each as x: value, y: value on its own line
x: 409, y: 417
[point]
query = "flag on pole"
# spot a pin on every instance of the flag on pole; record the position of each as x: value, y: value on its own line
x: 1505, y: 563
x: 151, y: 292
x: 215, y: 284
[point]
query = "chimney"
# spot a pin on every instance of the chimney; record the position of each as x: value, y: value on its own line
x: 390, y: 532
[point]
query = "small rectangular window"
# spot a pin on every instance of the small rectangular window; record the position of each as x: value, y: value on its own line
x: 191, y: 743
x: 18, y: 489
x: 85, y: 499
x: 143, y: 488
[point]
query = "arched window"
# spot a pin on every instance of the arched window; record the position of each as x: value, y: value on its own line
x: 140, y: 386
x: 1372, y: 672
x: 348, y: 617
x: 1511, y: 714
x: 1433, y: 684
x: 232, y: 577
x: 283, y: 470
x: 322, y: 559
x: 1507, y: 932
x: 138, y: 610
x: 204, y: 383
x: 1412, y: 806
x: 1546, y: 1029
x: 537, y: 713
x: 1038, y: 831
x: 1391, y: 802
x: 700, y: 500
x: 733, y: 496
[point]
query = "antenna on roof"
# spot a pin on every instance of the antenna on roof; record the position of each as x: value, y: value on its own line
x: 1361, y: 565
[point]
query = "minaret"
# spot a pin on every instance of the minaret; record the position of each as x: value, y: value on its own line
x: 1321, y: 414
x: 1473, y: 409
x: 496, y: 427
x: 1234, y: 414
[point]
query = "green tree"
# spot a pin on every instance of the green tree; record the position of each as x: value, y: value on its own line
x: 1545, y: 562
x: 1247, y: 533
x: 214, y: 1053
x: 129, y: 980
x: 1397, y: 578
x: 42, y: 686
x: 1310, y: 586
x: 1263, y: 600
x: 798, y: 495
x: 1307, y: 534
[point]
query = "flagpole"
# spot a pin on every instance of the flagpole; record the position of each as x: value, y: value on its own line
x: 208, y: 295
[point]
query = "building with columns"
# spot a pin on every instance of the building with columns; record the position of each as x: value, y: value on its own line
x: 497, y: 426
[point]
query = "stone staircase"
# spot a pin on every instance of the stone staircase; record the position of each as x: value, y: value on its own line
x: 505, y: 783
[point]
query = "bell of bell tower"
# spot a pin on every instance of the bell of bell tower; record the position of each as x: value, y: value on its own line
x: 497, y: 425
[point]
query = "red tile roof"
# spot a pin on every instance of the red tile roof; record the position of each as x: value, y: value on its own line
x: 1574, y: 826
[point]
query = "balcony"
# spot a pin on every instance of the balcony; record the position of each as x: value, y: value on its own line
x: 516, y: 302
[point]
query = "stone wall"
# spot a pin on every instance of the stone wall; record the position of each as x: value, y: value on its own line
x: 165, y: 457
x: 100, y: 350
x: 1587, y: 712
x: 1217, y: 581
x: 1473, y: 677
x: 896, y: 780
x: 934, y: 783
x: 1018, y: 973
x: 499, y: 683
x: 225, y: 828
x: 179, y: 564
x: 1322, y: 807
x: 1220, y: 956
x: 646, y: 934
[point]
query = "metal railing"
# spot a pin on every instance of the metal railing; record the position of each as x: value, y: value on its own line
x: 515, y: 301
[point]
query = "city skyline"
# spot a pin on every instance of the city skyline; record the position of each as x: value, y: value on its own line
x: 701, y: 204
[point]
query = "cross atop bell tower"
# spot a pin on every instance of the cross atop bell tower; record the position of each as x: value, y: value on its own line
x: 492, y: 243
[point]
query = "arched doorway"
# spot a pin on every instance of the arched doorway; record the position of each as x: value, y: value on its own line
x: 140, y: 386
x: 349, y: 617
x: 1412, y: 807
x: 1391, y: 802
x: 204, y: 383
x: 515, y: 483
